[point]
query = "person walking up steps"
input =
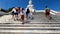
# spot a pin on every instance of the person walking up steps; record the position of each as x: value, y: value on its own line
x: 22, y: 15
x: 19, y: 16
x: 27, y: 13
x: 13, y: 13
x: 31, y: 15
x: 47, y: 13
x: 17, y: 12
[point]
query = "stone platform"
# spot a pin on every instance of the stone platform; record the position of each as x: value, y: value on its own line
x: 39, y: 25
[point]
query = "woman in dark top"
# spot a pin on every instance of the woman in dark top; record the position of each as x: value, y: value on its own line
x: 47, y: 12
x: 27, y: 12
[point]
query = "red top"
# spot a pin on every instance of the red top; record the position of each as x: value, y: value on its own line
x: 47, y: 11
x: 17, y: 9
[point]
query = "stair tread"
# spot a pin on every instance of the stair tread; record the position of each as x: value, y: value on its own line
x: 31, y: 31
x: 30, y: 25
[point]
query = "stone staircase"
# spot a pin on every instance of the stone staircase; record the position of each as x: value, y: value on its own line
x: 39, y: 25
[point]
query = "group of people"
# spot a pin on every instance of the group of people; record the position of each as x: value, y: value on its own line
x: 20, y: 14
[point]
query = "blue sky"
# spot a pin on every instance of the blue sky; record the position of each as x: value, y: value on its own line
x: 38, y: 4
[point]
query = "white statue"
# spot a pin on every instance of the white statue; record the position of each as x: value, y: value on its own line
x: 30, y: 6
x: 30, y: 2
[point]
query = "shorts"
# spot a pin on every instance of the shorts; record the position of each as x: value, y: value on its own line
x: 22, y: 17
x: 15, y: 13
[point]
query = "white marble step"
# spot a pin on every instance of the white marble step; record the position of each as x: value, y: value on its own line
x: 29, y: 28
x: 31, y: 31
x: 30, y: 25
x: 37, y: 18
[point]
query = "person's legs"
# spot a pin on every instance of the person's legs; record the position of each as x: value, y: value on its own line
x: 19, y: 16
x: 31, y: 15
x: 12, y: 17
x: 22, y: 17
x: 27, y: 15
x: 15, y: 16
x: 50, y: 17
x: 47, y: 16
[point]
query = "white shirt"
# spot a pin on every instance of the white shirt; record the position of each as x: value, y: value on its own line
x: 22, y: 13
x: 14, y: 10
